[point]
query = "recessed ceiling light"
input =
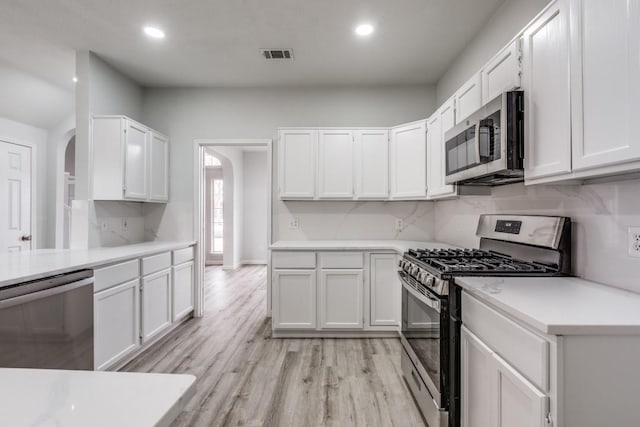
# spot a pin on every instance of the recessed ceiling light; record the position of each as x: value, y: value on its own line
x: 154, y: 32
x: 75, y: 80
x: 364, y: 30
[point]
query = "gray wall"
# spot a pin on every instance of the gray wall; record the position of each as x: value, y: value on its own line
x: 188, y: 114
x: 255, y: 206
x: 508, y: 20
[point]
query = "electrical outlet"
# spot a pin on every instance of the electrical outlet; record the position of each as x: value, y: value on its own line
x: 104, y: 226
x: 399, y: 224
x: 294, y: 224
x: 125, y: 225
x: 634, y: 241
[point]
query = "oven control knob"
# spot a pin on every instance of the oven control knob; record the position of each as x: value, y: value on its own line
x: 430, y: 280
x: 422, y: 276
x: 414, y: 270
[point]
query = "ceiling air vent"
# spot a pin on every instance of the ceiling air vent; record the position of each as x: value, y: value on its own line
x: 277, y: 54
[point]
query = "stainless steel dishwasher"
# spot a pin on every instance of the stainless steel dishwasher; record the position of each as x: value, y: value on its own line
x: 48, y: 323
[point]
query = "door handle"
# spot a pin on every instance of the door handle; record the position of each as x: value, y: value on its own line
x: 26, y: 238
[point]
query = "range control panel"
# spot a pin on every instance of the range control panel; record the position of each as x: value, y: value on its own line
x: 511, y: 227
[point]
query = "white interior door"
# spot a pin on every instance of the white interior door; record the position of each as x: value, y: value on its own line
x: 15, y: 197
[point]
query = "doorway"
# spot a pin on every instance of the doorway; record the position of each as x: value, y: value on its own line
x: 233, y: 199
x: 16, y: 197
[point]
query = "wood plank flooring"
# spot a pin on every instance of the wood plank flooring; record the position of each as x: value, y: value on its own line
x: 247, y: 378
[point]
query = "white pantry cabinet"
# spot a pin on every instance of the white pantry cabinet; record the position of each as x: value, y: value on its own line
x: 183, y: 292
x: 384, y: 290
x: 129, y: 161
x: 605, y: 78
x: 116, y: 323
x: 341, y: 299
x: 408, y: 157
x: 372, y: 164
x: 156, y: 303
x: 158, y: 167
x: 335, y: 164
x: 297, y: 152
x: 437, y: 126
x: 547, y: 93
x: 294, y: 299
x: 468, y: 99
x: 502, y: 72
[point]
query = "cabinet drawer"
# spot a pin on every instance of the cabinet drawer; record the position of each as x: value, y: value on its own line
x: 341, y: 260
x: 524, y: 350
x: 113, y: 275
x: 156, y: 263
x: 182, y: 255
x: 293, y: 259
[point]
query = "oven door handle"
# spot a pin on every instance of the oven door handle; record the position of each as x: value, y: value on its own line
x: 434, y: 303
x: 22, y: 299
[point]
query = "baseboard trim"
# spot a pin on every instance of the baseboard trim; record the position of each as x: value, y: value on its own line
x: 334, y: 334
x: 254, y: 262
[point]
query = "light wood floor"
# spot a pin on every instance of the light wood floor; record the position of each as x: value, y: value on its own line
x: 247, y: 378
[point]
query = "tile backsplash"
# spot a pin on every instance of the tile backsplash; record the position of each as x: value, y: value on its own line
x: 114, y: 223
x: 601, y: 215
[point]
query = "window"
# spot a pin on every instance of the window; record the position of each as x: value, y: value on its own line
x: 217, y: 213
x: 210, y: 160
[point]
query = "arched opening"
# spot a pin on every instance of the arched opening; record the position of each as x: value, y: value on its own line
x: 68, y: 195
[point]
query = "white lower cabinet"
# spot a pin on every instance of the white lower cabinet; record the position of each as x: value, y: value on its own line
x: 494, y: 394
x: 156, y: 303
x: 116, y: 323
x: 294, y: 299
x: 341, y: 299
x: 384, y: 309
x: 183, y: 285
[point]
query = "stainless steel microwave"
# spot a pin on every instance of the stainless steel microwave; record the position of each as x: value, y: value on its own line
x: 488, y: 148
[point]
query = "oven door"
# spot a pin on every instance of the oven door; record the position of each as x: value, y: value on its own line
x: 425, y: 331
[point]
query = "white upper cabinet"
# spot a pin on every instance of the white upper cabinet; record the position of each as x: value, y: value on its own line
x: 408, y: 161
x: 441, y: 121
x: 335, y: 164
x: 468, y: 99
x: 297, y: 163
x: 372, y: 164
x: 129, y: 161
x: 547, y: 93
x: 158, y: 167
x: 605, y: 82
x: 502, y: 73
x: 136, y: 164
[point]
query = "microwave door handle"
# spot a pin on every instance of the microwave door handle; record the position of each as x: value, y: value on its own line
x: 477, y: 144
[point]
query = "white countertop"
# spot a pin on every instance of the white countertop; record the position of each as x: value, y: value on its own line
x: 32, y: 265
x: 399, y: 246
x: 46, y: 397
x: 560, y: 305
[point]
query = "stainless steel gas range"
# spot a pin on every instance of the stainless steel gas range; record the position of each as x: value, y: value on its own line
x: 510, y: 245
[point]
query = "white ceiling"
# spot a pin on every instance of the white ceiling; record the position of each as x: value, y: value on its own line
x: 215, y: 43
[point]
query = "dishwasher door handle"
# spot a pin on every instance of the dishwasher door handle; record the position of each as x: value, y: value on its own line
x: 22, y: 299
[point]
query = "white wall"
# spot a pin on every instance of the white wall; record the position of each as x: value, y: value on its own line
x: 505, y: 23
x: 188, y: 114
x: 101, y: 89
x: 255, y: 209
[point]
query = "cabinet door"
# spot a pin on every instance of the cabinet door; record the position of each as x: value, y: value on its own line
x: 477, y: 380
x: 182, y: 290
x: 517, y: 402
x: 547, y: 95
x: 437, y: 126
x: 297, y: 164
x: 116, y: 323
x: 156, y: 303
x: 341, y: 299
x: 502, y: 73
x: 384, y: 290
x: 372, y: 164
x: 294, y: 299
x: 468, y: 98
x: 409, y: 161
x: 158, y: 167
x: 335, y: 164
x: 605, y: 82
x: 135, y: 165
